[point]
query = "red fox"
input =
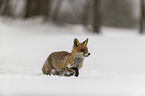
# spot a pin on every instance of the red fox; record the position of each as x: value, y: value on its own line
x: 63, y: 63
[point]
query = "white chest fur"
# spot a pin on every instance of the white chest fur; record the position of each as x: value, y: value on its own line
x: 79, y: 62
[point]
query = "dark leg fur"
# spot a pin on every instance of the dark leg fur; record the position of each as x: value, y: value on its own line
x: 68, y: 75
x: 71, y: 74
x: 76, y: 71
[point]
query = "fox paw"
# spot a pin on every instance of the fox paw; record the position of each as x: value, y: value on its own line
x: 76, y: 71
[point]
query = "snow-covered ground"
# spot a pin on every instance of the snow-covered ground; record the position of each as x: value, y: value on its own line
x: 116, y: 66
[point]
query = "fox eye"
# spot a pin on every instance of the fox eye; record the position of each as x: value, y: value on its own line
x: 82, y: 50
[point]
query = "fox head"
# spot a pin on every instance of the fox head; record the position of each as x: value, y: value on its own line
x: 80, y: 49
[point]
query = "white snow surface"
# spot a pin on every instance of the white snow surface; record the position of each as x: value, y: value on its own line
x: 116, y: 66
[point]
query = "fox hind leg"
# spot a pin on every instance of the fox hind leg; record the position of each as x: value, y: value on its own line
x: 54, y: 72
x: 43, y: 69
x: 47, y: 68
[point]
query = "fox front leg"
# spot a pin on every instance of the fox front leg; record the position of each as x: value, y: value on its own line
x: 71, y: 74
x: 68, y: 75
x: 76, y: 71
x: 69, y: 70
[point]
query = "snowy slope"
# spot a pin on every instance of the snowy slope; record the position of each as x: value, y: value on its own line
x: 115, y: 67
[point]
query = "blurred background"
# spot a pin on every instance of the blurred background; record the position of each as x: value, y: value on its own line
x: 92, y: 14
x: 32, y: 29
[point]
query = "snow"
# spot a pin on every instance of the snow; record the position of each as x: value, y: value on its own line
x: 114, y: 68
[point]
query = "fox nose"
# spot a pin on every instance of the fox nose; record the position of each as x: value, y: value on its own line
x: 89, y: 53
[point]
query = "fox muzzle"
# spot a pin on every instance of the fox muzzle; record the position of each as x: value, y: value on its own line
x: 86, y: 55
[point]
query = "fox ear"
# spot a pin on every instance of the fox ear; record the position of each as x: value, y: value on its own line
x: 76, y: 42
x: 86, y: 41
